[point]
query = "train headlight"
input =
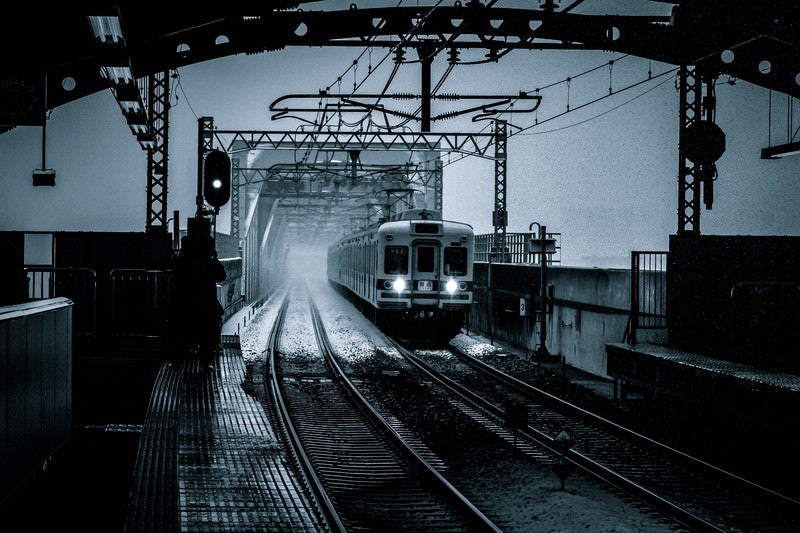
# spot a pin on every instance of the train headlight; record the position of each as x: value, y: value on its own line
x: 462, y: 285
x: 387, y: 284
x: 451, y: 286
x: 399, y: 285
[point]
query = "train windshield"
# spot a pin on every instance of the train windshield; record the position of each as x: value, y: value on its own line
x: 455, y: 261
x: 426, y: 259
x: 396, y: 260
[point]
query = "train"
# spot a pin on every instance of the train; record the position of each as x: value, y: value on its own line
x: 412, y: 275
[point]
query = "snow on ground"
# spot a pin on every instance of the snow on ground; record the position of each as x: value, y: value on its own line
x: 254, y: 335
x: 353, y: 337
x: 473, y: 347
x: 530, y: 497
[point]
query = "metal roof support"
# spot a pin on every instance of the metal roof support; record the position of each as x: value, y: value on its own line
x: 158, y: 153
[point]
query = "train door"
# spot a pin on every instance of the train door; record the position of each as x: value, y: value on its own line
x: 425, y: 273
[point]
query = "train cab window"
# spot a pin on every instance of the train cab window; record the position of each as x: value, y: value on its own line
x: 455, y: 261
x: 396, y: 260
x: 426, y: 259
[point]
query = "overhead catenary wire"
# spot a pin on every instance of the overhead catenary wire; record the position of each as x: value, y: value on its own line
x: 607, y: 111
x: 371, y: 71
x: 568, y: 81
x: 326, y: 118
x: 178, y: 83
x: 522, y: 130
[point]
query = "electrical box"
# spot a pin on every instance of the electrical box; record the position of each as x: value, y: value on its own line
x: 538, y: 246
x: 44, y: 177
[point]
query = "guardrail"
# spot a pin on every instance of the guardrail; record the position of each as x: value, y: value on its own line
x: 648, y: 292
x: 77, y: 284
x: 515, y: 249
x: 134, y: 302
x: 140, y: 301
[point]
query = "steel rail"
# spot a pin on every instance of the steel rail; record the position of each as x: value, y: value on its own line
x: 273, y: 377
x: 325, y: 346
x: 577, y: 459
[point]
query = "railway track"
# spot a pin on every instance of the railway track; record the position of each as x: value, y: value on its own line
x: 361, y: 470
x: 360, y: 478
x: 511, y: 482
x: 695, y: 493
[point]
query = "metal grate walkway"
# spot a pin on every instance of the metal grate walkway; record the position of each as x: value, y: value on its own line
x: 209, y: 459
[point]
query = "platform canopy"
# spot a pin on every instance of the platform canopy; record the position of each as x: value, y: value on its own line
x: 79, y: 48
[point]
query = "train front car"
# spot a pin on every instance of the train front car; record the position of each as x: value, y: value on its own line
x: 419, y: 274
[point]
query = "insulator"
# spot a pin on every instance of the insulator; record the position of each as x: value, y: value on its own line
x: 453, y: 55
x: 405, y: 96
x: 448, y: 96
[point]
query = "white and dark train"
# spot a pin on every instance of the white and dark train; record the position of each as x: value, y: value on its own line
x: 411, y: 275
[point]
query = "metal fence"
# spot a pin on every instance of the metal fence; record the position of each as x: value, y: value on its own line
x: 515, y: 249
x: 135, y: 302
x: 648, y: 292
x: 77, y: 284
x: 140, y: 301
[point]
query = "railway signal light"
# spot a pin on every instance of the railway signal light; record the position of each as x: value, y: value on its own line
x: 217, y: 178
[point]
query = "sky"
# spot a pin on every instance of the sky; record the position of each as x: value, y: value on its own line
x: 604, y: 176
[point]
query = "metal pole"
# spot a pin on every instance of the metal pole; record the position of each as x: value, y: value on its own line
x: 176, y: 229
x: 491, y: 297
x: 425, y: 53
x: 200, y: 146
x: 634, y: 298
x: 44, y: 126
x: 543, y: 297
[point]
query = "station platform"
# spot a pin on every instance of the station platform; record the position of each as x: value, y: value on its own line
x: 746, y: 392
x: 209, y: 459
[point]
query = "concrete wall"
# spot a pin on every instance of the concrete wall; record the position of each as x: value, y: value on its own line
x: 590, y: 308
x: 35, y: 387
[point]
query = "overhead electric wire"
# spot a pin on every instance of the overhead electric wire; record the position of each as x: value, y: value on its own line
x: 384, y: 58
x: 581, y: 106
x: 540, y: 122
x: 185, y: 97
x: 568, y: 79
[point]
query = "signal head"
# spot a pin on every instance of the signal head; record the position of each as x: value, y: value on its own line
x: 217, y: 178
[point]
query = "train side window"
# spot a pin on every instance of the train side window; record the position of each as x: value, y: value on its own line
x: 395, y: 260
x: 426, y: 259
x: 455, y: 261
